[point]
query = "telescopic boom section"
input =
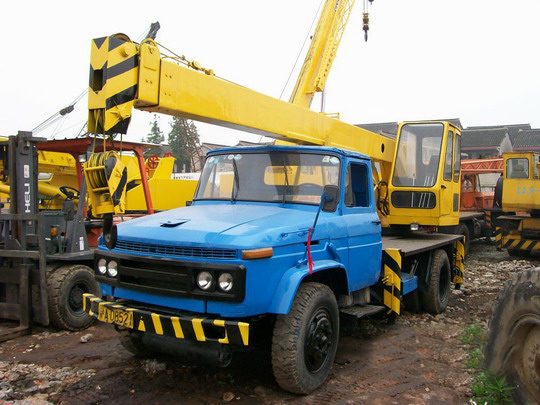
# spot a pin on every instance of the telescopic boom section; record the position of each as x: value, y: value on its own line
x: 322, y: 51
x: 124, y: 75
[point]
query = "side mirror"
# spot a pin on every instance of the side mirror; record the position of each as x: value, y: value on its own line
x: 330, y: 198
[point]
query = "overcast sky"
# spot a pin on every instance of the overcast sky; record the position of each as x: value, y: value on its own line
x: 425, y: 59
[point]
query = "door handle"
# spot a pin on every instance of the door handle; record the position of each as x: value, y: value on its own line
x: 443, y: 186
x: 376, y: 222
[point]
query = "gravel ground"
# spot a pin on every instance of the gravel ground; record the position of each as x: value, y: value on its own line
x: 419, y: 360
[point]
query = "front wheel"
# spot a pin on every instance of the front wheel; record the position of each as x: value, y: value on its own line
x: 65, y: 288
x: 513, y: 340
x: 305, y: 340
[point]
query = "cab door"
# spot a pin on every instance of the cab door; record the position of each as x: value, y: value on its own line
x: 450, y: 185
x: 363, y: 226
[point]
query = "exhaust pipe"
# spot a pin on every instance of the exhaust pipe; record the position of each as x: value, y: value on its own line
x: 193, y: 353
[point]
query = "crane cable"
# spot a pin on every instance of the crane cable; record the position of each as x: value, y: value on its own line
x: 301, y: 49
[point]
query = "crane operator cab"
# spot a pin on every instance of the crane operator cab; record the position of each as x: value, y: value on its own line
x: 521, y: 182
x: 425, y: 183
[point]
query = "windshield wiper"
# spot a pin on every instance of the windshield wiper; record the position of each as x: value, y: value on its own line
x: 286, y: 181
x: 234, y: 192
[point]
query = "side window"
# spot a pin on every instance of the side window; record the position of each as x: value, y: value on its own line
x: 448, y: 157
x: 357, y: 186
x: 457, y: 159
x: 517, y: 168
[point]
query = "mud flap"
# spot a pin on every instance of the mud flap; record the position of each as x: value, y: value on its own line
x: 457, y: 266
x: 392, y: 281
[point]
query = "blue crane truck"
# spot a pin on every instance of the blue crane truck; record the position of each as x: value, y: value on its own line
x: 277, y: 243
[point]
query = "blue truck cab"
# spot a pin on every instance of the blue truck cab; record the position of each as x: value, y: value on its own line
x: 235, y: 269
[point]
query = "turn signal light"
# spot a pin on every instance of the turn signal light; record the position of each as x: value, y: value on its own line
x: 257, y: 253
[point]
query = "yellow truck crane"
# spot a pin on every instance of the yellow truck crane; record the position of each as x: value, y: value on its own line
x: 519, y: 232
x: 242, y: 260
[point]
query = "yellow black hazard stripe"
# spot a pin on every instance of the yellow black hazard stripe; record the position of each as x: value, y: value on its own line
x: 114, y: 69
x: 458, y: 266
x: 180, y: 327
x: 498, y: 238
x: 392, y: 280
x: 520, y: 244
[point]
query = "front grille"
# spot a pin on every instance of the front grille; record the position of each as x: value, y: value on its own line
x: 167, y: 276
x: 414, y: 199
x: 180, y: 251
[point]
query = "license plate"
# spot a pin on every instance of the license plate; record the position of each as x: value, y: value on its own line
x: 116, y: 315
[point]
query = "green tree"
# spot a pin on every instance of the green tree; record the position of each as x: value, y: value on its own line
x: 154, y: 136
x: 184, y: 141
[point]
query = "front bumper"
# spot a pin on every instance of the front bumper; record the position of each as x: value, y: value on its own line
x: 180, y: 327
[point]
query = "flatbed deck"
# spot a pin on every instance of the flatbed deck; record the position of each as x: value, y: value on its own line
x: 418, y: 242
x: 467, y: 215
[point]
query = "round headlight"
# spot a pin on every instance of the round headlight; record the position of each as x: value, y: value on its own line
x: 112, y: 268
x: 225, y: 282
x: 204, y: 280
x: 102, y: 266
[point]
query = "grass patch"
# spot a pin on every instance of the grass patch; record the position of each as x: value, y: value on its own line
x: 486, y: 387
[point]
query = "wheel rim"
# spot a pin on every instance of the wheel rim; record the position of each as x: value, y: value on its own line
x: 75, y: 298
x: 318, y: 341
x: 528, y: 362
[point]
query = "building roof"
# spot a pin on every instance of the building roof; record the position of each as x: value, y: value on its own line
x: 513, y: 129
x: 382, y: 128
x: 527, y: 139
x: 488, y: 138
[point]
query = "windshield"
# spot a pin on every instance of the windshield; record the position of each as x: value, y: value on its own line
x: 418, y: 155
x: 268, y: 177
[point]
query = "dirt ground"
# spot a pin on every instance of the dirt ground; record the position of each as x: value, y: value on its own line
x: 418, y: 360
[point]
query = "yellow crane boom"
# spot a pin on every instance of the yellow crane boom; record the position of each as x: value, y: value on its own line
x: 125, y: 75
x: 322, y: 51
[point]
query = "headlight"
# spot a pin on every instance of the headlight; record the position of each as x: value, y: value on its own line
x: 102, y: 266
x: 225, y: 282
x: 204, y: 280
x: 112, y: 268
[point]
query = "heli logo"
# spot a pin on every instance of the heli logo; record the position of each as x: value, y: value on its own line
x: 27, y: 199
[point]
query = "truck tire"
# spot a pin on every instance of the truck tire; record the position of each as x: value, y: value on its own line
x: 305, y: 341
x: 463, y: 229
x: 519, y: 253
x: 513, y: 338
x: 412, y: 302
x: 132, y: 342
x: 435, y: 296
x: 65, y: 288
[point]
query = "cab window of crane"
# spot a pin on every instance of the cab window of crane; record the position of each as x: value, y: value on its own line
x: 457, y: 158
x: 447, y: 174
x: 356, y: 186
x: 535, y: 166
x: 517, y: 168
x: 418, y: 155
x: 268, y: 177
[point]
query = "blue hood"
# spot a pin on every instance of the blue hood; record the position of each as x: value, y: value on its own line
x: 224, y: 225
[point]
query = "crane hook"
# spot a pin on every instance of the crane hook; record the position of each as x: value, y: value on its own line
x: 366, y: 26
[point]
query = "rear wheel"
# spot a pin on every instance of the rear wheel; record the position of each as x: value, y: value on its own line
x: 519, y: 253
x: 436, y: 295
x: 66, y: 287
x: 305, y: 340
x: 412, y: 302
x: 513, y: 339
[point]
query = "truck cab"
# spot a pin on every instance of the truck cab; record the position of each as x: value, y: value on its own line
x: 240, y: 249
